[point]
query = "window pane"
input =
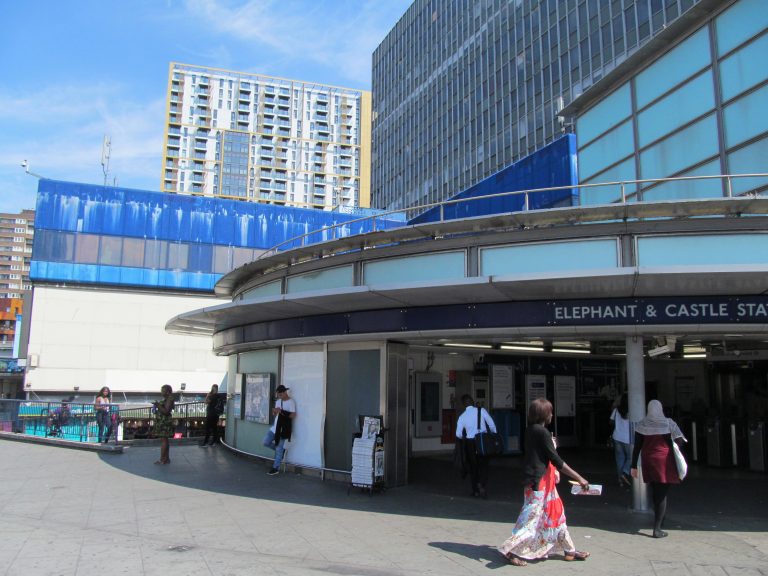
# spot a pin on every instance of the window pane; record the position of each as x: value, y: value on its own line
x: 741, y: 21
x: 178, y: 256
x: 221, y: 259
x: 745, y: 68
x: 748, y: 160
x: 608, y: 113
x: 111, y: 251
x: 688, y: 189
x: 678, y: 108
x: 683, y: 61
x: 549, y: 257
x: 321, y: 280
x: 702, y: 250
x: 271, y: 289
x: 133, y: 252
x: 87, y: 249
x: 607, y: 194
x: 241, y: 256
x: 609, y: 149
x: 155, y: 254
x: 746, y: 117
x: 200, y: 258
x: 686, y: 148
x: 445, y: 266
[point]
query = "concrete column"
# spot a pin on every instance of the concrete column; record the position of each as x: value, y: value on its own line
x: 636, y: 398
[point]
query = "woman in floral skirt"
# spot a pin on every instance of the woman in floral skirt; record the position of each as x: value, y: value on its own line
x: 541, y: 529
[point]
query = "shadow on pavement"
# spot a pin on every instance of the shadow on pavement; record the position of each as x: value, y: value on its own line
x: 710, y: 499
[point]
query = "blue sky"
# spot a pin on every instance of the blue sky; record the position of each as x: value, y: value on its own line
x: 75, y: 70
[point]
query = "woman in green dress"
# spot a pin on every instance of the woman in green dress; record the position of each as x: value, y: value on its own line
x: 164, y: 422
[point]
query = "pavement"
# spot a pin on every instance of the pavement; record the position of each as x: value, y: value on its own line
x: 210, y: 512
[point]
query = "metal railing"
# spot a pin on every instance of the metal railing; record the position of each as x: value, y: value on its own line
x: 624, y: 198
x: 77, y: 421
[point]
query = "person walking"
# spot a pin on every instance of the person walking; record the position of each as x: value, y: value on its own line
x: 540, y: 528
x: 621, y: 441
x: 280, y: 431
x: 164, y: 422
x: 214, y: 408
x: 103, y: 400
x: 466, y: 430
x: 654, y: 435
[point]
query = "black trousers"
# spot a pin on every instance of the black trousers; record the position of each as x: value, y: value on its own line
x: 478, y: 467
x: 211, y: 428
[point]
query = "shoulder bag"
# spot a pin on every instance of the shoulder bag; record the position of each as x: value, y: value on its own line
x: 682, y: 465
x: 487, y: 443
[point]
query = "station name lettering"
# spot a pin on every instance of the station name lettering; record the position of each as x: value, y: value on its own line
x: 627, y: 311
x: 649, y: 311
x: 697, y: 310
x: 751, y: 310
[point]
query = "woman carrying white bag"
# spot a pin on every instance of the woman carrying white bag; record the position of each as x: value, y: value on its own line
x: 657, y: 444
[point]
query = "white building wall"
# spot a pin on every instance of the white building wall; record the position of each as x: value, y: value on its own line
x: 94, y: 338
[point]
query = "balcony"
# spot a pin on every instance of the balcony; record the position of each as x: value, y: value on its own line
x: 174, y: 143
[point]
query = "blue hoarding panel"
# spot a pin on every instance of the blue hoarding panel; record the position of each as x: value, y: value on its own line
x: 179, y: 234
x: 552, y: 166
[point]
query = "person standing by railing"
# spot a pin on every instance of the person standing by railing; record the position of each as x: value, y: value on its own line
x: 103, y: 400
x: 164, y: 422
x: 214, y: 408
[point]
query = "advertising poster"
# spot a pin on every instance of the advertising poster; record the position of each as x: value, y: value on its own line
x: 257, y: 397
x: 503, y: 386
x: 535, y: 387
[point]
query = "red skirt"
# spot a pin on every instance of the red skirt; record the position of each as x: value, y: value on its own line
x: 658, y: 461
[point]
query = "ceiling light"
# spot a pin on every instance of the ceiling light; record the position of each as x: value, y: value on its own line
x: 458, y: 345
x: 572, y: 350
x: 686, y: 356
x: 523, y: 348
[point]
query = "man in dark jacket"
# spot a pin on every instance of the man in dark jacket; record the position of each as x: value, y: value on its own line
x: 284, y: 413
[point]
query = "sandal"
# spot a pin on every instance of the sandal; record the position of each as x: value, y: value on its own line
x: 515, y: 560
x: 575, y: 555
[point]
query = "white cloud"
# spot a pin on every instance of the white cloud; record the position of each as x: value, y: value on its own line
x: 338, y: 35
x: 62, y: 138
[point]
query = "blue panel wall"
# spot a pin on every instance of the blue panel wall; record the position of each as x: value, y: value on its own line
x: 200, y: 232
x: 554, y: 165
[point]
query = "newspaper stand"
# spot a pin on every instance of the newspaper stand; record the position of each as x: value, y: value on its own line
x: 368, y: 455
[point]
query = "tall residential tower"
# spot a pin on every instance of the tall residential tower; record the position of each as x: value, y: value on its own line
x: 265, y: 139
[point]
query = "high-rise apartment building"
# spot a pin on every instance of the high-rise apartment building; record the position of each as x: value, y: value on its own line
x: 264, y: 139
x: 16, y: 233
x: 463, y: 88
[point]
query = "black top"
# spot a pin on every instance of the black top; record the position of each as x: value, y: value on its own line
x: 215, y: 404
x: 539, y: 451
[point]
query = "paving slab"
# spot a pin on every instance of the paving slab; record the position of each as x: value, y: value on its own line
x: 213, y: 513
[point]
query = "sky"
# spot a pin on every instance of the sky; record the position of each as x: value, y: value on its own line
x: 73, y: 71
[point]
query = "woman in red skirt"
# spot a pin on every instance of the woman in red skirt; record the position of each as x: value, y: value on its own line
x: 654, y: 435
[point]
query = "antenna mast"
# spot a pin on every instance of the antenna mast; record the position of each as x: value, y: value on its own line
x: 106, y: 149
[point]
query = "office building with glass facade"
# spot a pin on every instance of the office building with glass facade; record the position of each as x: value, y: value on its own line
x: 265, y: 139
x: 464, y: 88
x: 696, y: 108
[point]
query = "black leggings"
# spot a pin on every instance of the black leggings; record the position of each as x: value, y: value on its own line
x: 659, y: 494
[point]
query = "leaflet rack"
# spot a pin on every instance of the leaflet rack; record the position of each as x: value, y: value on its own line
x: 368, y: 455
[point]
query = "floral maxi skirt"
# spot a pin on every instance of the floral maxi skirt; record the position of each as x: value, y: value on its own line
x: 540, y: 528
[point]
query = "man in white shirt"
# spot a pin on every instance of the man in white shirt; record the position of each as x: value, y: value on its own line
x: 466, y: 430
x: 284, y: 412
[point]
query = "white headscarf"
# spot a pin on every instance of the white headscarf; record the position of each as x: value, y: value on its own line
x: 656, y: 423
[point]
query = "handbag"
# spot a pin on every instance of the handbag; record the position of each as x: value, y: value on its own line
x: 682, y: 465
x: 487, y: 443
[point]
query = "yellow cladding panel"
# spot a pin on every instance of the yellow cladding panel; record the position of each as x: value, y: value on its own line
x: 365, y: 150
x: 171, y: 68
